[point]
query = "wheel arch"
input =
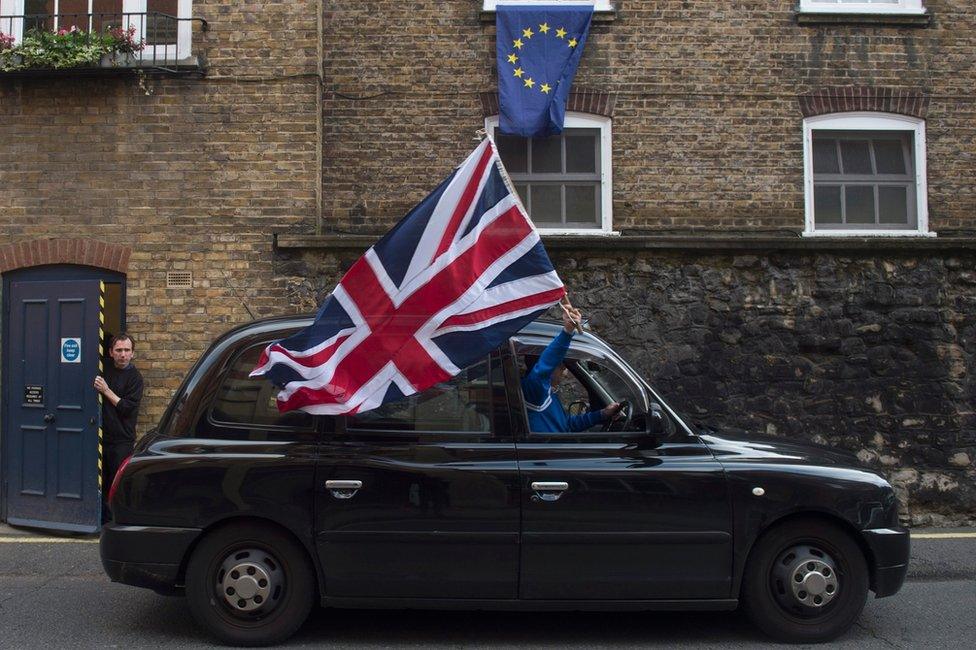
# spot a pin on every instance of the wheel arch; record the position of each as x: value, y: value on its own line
x: 263, y: 521
x: 814, y: 515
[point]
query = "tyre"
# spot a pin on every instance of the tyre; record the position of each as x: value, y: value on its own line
x: 250, y: 584
x: 806, y: 581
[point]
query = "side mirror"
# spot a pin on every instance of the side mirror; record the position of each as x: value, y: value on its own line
x: 655, y: 421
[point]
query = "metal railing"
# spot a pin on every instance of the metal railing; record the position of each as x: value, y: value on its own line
x: 166, y: 40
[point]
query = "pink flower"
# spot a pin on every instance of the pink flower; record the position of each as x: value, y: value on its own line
x: 126, y: 39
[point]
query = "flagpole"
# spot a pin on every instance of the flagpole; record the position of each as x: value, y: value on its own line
x: 482, y: 134
x: 506, y: 178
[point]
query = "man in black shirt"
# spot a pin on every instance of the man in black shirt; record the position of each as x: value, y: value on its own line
x: 121, y: 390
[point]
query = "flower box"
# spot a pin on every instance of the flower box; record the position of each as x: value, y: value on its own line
x: 70, y: 48
x: 118, y: 60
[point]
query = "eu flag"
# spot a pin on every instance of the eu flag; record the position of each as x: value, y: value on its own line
x: 538, y: 48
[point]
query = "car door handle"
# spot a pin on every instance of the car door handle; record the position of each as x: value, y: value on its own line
x: 549, y: 490
x: 343, y: 489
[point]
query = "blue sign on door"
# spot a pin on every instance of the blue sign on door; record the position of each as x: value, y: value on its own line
x: 71, y: 350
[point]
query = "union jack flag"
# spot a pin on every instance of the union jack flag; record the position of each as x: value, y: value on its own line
x: 462, y: 272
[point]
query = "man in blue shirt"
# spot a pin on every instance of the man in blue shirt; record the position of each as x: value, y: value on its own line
x: 546, y: 413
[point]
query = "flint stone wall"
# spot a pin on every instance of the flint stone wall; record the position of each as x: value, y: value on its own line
x: 871, y: 353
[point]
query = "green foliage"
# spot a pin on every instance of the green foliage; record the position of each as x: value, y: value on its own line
x: 40, y: 49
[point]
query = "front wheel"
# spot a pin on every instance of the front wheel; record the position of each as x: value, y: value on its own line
x: 250, y: 584
x: 806, y: 581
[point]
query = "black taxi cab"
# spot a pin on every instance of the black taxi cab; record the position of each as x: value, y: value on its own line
x: 446, y: 499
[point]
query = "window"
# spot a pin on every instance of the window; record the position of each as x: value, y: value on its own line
x: 463, y: 404
x: 598, y: 5
x: 564, y: 180
x: 245, y: 403
x: 862, y: 6
x: 154, y: 20
x: 865, y: 175
x: 166, y: 39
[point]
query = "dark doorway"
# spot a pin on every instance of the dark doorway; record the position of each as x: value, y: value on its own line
x: 55, y: 321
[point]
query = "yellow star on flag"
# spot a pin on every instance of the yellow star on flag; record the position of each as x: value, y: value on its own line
x: 545, y: 88
x: 528, y: 82
x: 544, y: 28
x: 517, y: 44
x: 561, y: 33
x: 572, y: 42
x: 512, y: 58
x: 528, y: 33
x: 519, y: 72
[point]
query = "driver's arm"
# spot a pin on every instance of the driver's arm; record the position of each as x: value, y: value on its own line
x: 585, y: 421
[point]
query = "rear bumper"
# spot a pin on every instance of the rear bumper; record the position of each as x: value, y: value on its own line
x: 890, y: 548
x: 145, y: 556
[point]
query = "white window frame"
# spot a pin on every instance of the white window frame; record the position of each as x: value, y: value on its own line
x: 867, y: 121
x: 12, y: 8
x: 576, y: 120
x: 901, y: 7
x: 184, y: 31
x: 598, y: 5
x: 185, y: 7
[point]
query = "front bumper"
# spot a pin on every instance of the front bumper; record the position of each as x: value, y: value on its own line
x: 145, y: 556
x: 890, y: 548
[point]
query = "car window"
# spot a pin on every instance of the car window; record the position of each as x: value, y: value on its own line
x: 590, y: 384
x: 462, y: 404
x: 607, y: 379
x: 242, y: 401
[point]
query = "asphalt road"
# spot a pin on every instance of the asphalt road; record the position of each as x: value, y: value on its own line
x: 54, y: 595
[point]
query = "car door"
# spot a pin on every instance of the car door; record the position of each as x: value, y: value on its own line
x: 621, y: 515
x: 420, y: 498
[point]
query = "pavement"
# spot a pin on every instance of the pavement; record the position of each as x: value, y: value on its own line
x: 24, y: 534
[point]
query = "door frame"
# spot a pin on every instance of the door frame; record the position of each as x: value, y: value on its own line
x: 53, y: 272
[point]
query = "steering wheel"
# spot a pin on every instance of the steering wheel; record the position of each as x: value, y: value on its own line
x: 578, y: 407
x: 624, y: 416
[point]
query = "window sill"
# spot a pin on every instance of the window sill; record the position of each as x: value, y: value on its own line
x: 868, y: 233
x: 580, y: 232
x: 903, y: 19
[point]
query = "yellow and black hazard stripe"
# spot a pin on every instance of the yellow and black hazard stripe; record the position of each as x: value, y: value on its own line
x: 101, y: 372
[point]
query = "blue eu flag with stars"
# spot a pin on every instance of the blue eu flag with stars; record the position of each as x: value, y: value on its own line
x: 539, y: 48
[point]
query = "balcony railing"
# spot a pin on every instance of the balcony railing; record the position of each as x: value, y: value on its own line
x: 162, y: 43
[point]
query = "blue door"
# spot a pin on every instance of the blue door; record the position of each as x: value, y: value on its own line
x: 52, y: 415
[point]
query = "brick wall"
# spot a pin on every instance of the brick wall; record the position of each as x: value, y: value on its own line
x: 707, y: 101
x: 707, y: 123
x: 195, y: 175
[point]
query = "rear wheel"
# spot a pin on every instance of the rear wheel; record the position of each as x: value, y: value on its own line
x: 250, y: 584
x: 806, y: 581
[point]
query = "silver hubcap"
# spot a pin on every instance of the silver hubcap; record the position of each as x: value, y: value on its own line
x: 814, y: 583
x: 250, y: 581
x: 805, y: 579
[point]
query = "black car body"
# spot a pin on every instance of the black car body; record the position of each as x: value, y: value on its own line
x: 457, y: 505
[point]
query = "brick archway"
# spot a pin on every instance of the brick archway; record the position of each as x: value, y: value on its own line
x: 580, y: 100
x: 844, y: 99
x: 85, y: 252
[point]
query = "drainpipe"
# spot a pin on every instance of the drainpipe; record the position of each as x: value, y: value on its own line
x: 319, y: 127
